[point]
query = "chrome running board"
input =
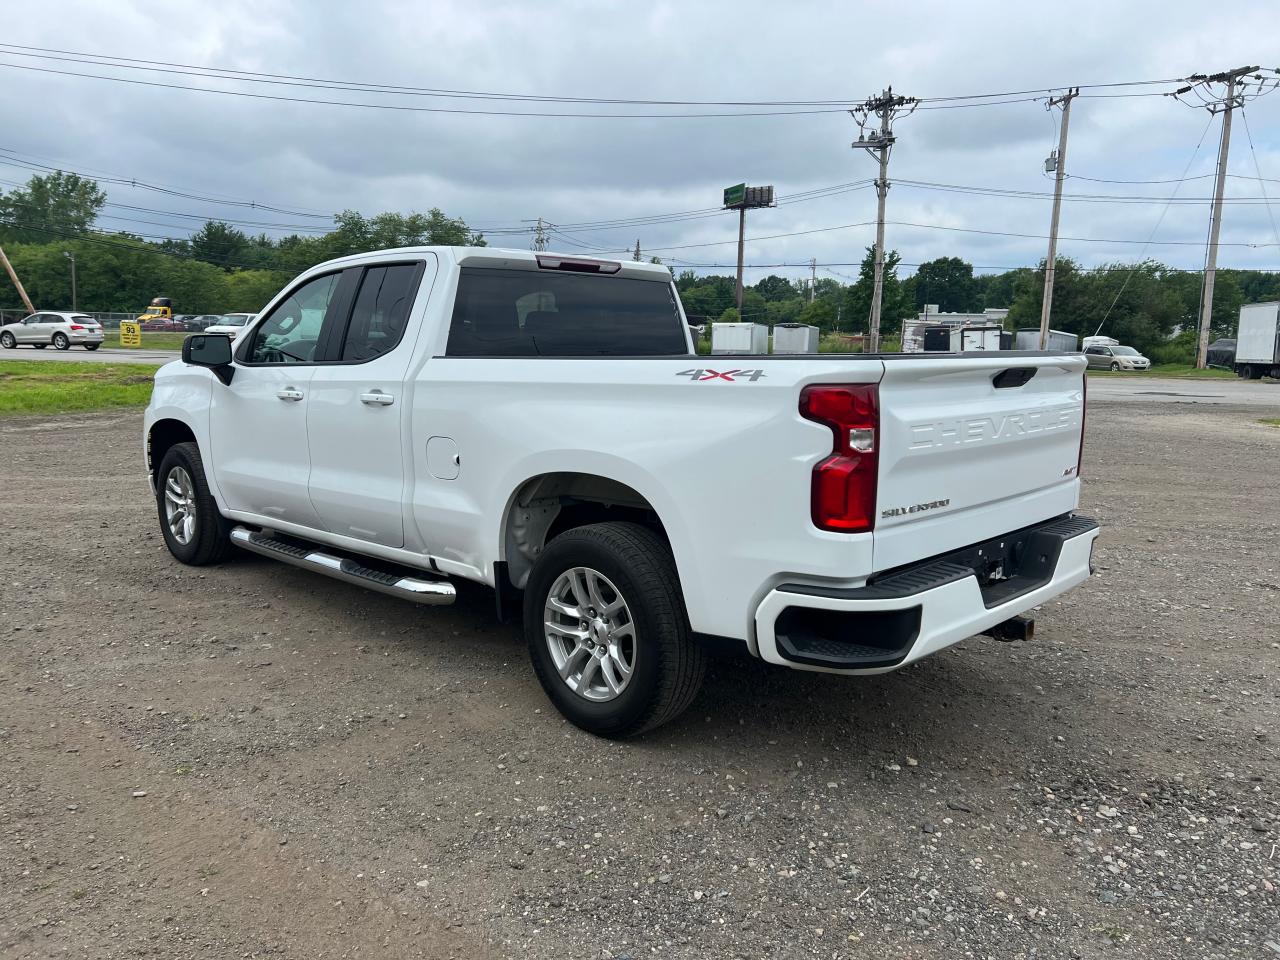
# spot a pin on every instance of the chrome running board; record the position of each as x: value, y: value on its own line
x: 417, y: 589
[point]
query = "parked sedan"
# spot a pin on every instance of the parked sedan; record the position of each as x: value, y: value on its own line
x: 1116, y: 358
x: 60, y: 329
x: 164, y: 325
x: 201, y: 321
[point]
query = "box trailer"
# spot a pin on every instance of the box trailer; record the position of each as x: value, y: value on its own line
x: 1258, y: 341
x: 969, y: 339
x: 739, y: 338
x: 795, y: 338
x: 1028, y: 338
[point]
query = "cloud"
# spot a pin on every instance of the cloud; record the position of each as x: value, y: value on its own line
x: 504, y: 171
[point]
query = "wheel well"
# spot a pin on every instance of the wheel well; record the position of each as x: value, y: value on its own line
x: 165, y: 434
x: 546, y: 506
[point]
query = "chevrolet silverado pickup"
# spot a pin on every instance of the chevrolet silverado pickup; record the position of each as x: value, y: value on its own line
x: 541, y: 424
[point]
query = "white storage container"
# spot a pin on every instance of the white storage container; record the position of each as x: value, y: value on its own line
x: 739, y: 338
x: 1028, y: 338
x: 795, y: 338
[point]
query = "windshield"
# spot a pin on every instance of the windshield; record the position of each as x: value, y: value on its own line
x: 1125, y: 352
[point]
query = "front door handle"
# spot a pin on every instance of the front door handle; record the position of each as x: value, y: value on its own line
x: 289, y: 393
x: 377, y: 398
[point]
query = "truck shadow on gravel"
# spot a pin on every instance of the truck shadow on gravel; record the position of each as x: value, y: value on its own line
x: 974, y: 700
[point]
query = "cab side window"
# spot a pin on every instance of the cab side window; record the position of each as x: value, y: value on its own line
x: 291, y: 332
x: 381, y: 311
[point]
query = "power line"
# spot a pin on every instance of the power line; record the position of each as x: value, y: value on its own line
x: 1160, y: 220
x: 13, y: 158
x: 1261, y: 183
x: 213, y: 72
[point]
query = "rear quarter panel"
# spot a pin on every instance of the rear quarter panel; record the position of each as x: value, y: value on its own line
x: 725, y: 463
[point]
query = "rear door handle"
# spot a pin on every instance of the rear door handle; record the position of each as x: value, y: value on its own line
x: 376, y: 398
x: 289, y: 393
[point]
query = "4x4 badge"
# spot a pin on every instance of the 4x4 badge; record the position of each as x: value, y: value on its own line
x: 732, y: 376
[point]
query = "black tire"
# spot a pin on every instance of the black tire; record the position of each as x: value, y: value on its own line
x: 1114, y: 366
x: 211, y: 542
x: 61, y: 341
x: 668, y: 666
x: 8, y: 341
x: 92, y: 346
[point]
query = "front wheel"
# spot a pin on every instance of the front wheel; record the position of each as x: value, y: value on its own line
x: 1114, y: 366
x: 61, y: 342
x: 607, y: 630
x: 92, y: 346
x: 194, y: 531
x: 8, y: 341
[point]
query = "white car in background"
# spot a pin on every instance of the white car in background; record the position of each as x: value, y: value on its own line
x: 231, y: 323
x: 60, y: 329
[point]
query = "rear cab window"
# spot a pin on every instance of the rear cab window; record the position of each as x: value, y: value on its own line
x: 532, y: 313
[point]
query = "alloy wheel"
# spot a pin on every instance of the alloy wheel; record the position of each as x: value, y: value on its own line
x: 180, y: 505
x: 590, y: 634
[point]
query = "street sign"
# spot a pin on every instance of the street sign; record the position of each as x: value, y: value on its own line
x: 736, y: 195
x: 130, y: 334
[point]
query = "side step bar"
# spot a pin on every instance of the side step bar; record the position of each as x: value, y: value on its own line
x: 419, y: 590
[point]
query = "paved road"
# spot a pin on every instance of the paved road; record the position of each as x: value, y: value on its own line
x: 101, y: 355
x: 1260, y: 393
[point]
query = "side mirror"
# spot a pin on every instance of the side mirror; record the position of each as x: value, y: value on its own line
x: 212, y: 351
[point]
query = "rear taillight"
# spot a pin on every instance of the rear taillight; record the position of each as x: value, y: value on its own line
x: 76, y: 326
x: 844, y: 484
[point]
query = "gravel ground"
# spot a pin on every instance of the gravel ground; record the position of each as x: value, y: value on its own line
x: 248, y: 761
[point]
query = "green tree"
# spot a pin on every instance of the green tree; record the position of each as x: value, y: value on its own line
x: 948, y: 282
x: 857, y: 300
x: 56, y: 205
x: 219, y: 243
x: 775, y: 289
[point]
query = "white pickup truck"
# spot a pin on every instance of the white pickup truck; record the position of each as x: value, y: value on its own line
x: 542, y: 425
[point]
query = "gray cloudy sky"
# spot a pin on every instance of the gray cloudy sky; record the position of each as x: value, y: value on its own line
x: 497, y: 171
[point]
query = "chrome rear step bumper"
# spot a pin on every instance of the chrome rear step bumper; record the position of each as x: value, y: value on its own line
x: 417, y: 589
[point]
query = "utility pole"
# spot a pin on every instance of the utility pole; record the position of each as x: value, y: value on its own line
x: 16, y: 282
x: 886, y: 107
x: 1234, y: 97
x: 540, y: 237
x: 72, y: 257
x: 813, y: 277
x: 742, y: 231
x: 1057, y: 163
x: 636, y: 256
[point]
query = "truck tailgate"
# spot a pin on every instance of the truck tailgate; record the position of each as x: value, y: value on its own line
x: 974, y: 447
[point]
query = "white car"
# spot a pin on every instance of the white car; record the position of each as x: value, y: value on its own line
x: 61, y: 329
x: 231, y: 323
x: 540, y: 424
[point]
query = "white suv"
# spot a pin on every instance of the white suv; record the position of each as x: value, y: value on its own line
x: 60, y: 329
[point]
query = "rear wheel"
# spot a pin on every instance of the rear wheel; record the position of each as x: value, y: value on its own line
x: 607, y: 630
x: 194, y: 531
x: 61, y: 342
x: 8, y: 341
